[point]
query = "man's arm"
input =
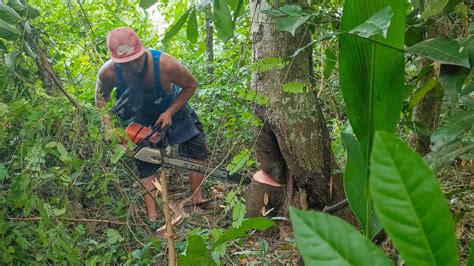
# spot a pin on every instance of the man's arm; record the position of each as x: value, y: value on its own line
x: 176, y: 73
x: 103, y: 87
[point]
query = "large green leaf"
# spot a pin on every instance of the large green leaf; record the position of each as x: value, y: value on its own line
x: 372, y: 83
x: 9, y: 14
x: 323, y: 239
x: 410, y: 204
x: 443, y: 51
x: 223, y: 20
x: 177, y: 26
x: 8, y: 31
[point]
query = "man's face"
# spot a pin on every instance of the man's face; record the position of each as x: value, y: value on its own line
x: 134, y: 67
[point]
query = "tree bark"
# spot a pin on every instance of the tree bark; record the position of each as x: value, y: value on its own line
x: 426, y: 113
x: 293, y: 145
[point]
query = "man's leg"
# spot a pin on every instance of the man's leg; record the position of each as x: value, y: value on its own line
x: 195, y: 149
x: 195, y: 180
x: 146, y: 172
x: 149, y: 198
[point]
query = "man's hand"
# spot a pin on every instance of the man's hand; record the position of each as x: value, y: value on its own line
x: 164, y: 119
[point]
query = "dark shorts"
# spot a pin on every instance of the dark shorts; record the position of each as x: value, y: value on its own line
x: 195, y: 149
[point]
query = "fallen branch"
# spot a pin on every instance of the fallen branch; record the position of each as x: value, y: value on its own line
x: 80, y: 220
x: 336, y: 207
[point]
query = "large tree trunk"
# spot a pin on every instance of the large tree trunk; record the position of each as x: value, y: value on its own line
x: 293, y: 145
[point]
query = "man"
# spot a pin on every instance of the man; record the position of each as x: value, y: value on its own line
x: 152, y: 88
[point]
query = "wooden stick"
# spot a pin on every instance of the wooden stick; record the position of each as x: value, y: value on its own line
x: 83, y: 220
x: 166, y: 212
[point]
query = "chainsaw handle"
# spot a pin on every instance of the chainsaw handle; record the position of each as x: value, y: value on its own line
x: 146, y: 140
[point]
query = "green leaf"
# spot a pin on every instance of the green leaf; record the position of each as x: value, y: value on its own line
x: 330, y: 62
x: 119, y: 151
x: 58, y: 212
x: 446, y: 154
x: 421, y: 92
x: 287, y: 10
x: 443, y: 51
x: 410, y: 204
x: 376, y: 25
x: 145, y: 4
x: 452, y: 79
x: 176, y: 26
x: 295, y: 87
x: 321, y: 38
x: 354, y: 182
x: 433, y: 8
x: 113, y: 236
x: 8, y: 14
x: 323, y: 239
x: 238, y: 214
x: 196, y: 253
x: 291, y: 23
x: 372, y: 84
x: 459, y: 122
x: 26, y: 11
x: 3, y: 172
x: 238, y: 10
x: 222, y: 20
x: 8, y: 32
x: 257, y: 223
x: 192, y: 27
x: 269, y: 63
x: 3, y: 109
x: 238, y: 161
x: 252, y: 96
x: 63, y: 154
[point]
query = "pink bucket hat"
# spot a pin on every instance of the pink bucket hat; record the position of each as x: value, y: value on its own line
x: 124, y: 45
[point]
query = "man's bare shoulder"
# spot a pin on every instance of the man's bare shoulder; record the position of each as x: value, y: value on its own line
x: 168, y: 63
x: 107, y: 72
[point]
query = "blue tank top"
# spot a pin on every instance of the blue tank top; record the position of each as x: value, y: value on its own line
x: 156, y: 101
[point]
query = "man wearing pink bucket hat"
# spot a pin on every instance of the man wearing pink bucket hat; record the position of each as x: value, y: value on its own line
x: 152, y: 88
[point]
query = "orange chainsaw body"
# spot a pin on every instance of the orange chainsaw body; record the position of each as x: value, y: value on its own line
x: 137, y: 133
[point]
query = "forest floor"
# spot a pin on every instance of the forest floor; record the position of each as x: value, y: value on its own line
x: 277, y: 246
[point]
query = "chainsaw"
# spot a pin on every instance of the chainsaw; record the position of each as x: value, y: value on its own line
x: 148, y: 149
